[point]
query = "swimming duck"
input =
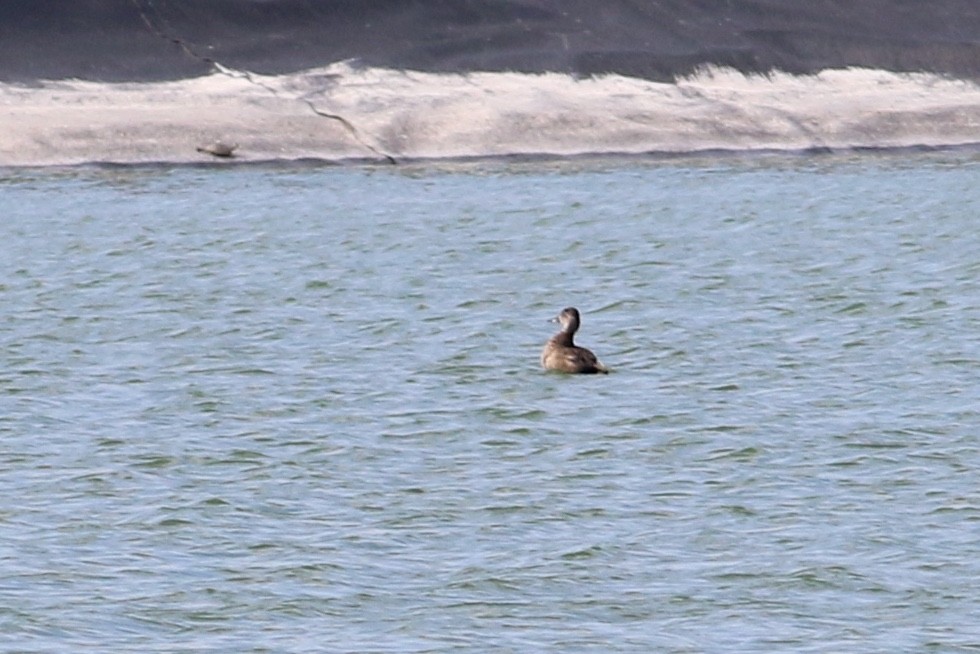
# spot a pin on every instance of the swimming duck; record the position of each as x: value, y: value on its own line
x: 560, y: 352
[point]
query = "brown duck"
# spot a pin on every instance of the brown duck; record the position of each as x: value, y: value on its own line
x: 560, y: 352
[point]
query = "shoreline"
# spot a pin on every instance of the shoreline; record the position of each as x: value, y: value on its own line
x: 344, y: 113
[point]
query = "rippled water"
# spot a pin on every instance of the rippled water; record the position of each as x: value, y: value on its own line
x: 300, y: 409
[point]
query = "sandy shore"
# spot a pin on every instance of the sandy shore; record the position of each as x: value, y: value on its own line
x: 341, y: 113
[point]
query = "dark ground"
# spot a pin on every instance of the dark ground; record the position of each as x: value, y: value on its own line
x: 120, y: 40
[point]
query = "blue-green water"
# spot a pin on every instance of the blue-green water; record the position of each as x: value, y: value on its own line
x: 300, y: 409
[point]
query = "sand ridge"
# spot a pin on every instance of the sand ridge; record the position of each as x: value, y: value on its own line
x: 346, y: 111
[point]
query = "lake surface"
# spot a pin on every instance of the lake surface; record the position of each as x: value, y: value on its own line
x: 292, y: 409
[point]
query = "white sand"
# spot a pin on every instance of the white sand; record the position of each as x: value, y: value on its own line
x: 423, y: 115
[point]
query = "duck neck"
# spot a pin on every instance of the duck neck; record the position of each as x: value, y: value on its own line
x: 565, y: 337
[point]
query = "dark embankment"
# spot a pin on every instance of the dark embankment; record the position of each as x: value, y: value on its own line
x: 128, y: 40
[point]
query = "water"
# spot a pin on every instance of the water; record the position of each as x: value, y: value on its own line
x: 299, y: 409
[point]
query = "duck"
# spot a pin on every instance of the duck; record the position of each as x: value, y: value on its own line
x: 562, y: 355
